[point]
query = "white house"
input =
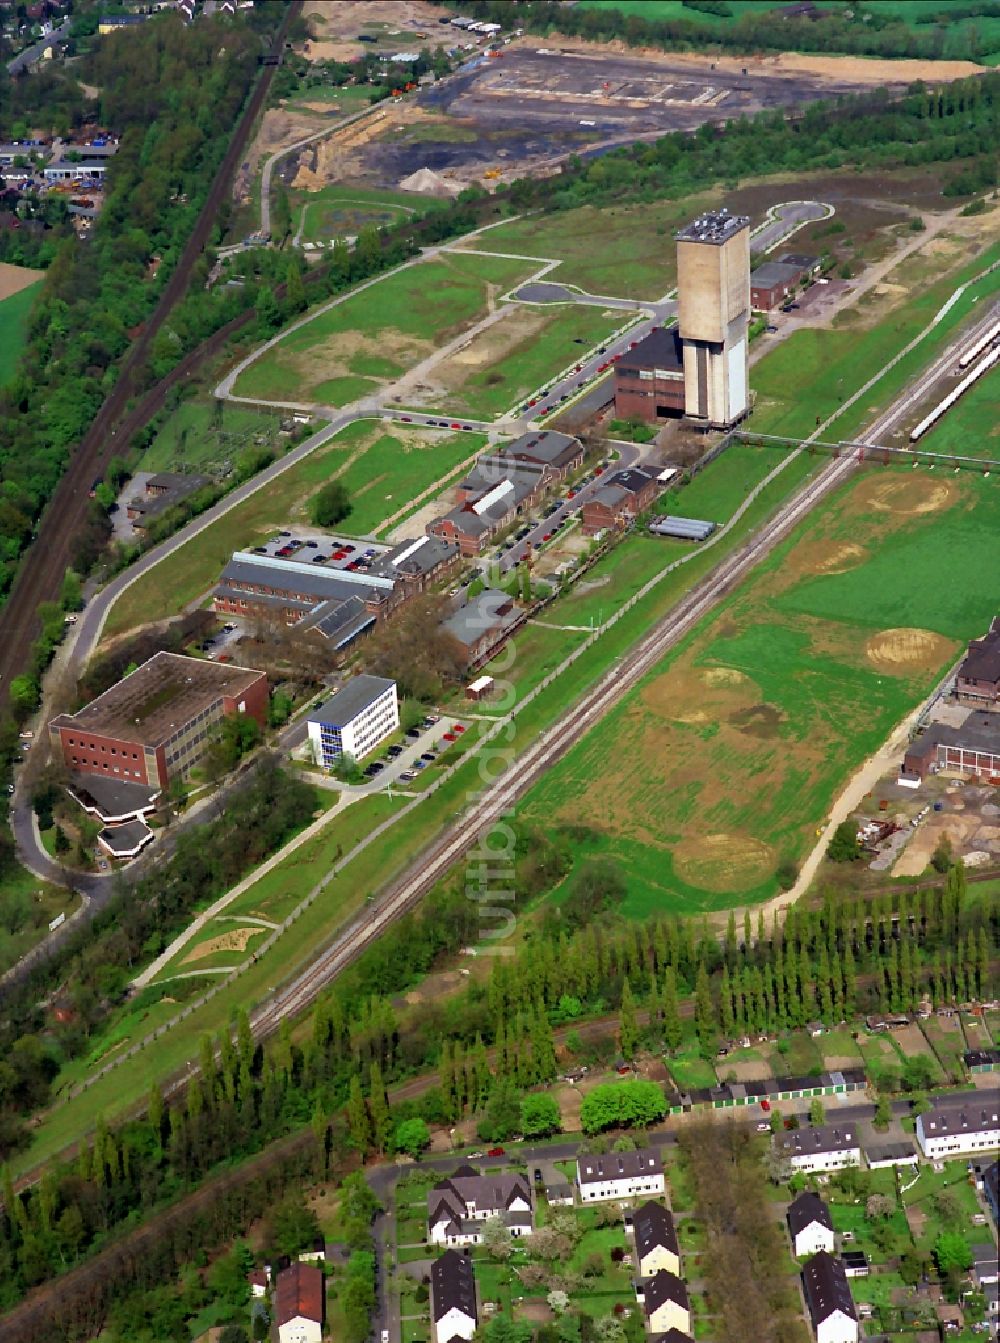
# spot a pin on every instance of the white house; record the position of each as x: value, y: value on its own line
x: 453, y: 1297
x: 828, y: 1296
x: 619, y: 1175
x: 810, y: 1225
x: 820, y: 1148
x: 459, y: 1207
x: 354, y: 721
x: 960, y: 1125
x: 299, y: 1300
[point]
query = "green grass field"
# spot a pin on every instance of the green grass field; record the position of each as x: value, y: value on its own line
x: 340, y: 211
x: 400, y: 320
x: 205, y: 434
x: 626, y: 251
x: 382, y: 471
x: 675, y: 9
x: 724, y: 762
x: 504, y: 365
x: 971, y: 428
x: 14, y: 314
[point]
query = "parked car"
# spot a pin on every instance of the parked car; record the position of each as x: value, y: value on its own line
x: 765, y: 1105
x: 763, y: 1127
x: 496, y: 1151
x: 428, y: 756
x: 414, y: 734
x: 458, y: 727
x: 406, y: 777
x: 394, y: 751
x: 450, y: 736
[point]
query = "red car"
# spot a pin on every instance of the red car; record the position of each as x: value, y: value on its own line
x: 765, y: 1106
x: 458, y: 728
x: 571, y: 494
x: 450, y: 736
x: 579, y: 368
x: 598, y: 470
x: 455, y: 425
x: 496, y: 1151
x: 533, y: 401
x: 407, y: 419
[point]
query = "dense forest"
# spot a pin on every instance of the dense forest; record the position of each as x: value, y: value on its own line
x: 172, y: 93
x: 855, y: 30
x: 495, y: 1039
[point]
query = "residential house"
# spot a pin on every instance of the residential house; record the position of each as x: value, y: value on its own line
x: 985, y: 1265
x: 656, y: 1244
x: 460, y: 1205
x: 453, y: 1297
x: 483, y: 624
x: 665, y: 1303
x: 991, y: 1190
x: 810, y: 1225
x: 820, y: 1148
x: 621, y: 499
x: 299, y: 1301
x: 619, y: 1175
x: 258, y: 1279
x: 978, y: 680
x: 960, y: 1124
x: 828, y: 1297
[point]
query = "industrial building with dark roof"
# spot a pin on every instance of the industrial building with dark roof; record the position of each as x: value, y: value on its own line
x: 155, y: 723
x: 649, y: 379
x: 978, y: 680
x: 973, y: 748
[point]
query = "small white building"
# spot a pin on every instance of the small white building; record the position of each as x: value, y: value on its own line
x: 453, y: 1297
x: 354, y: 721
x: 619, y: 1175
x: 962, y: 1124
x: 810, y: 1226
x: 822, y: 1147
x: 828, y: 1296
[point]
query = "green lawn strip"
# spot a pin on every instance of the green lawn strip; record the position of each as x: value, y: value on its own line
x: 796, y: 1055
x: 379, y: 468
x: 15, y: 313
x: 204, y: 435
x: 835, y: 362
x: 625, y: 252
x: 426, y: 304
x: 689, y: 1069
x: 498, y: 386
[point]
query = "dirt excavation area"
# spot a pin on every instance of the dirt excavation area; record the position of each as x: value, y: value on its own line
x: 337, y: 23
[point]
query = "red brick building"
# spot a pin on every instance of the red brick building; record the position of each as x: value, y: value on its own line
x: 155, y: 724
x: 978, y: 681
x: 972, y: 749
x: 621, y: 499
x: 649, y: 380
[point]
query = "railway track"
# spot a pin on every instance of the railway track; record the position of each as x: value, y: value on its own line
x: 45, y: 562
x: 495, y: 801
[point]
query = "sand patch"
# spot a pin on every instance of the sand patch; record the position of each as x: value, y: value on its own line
x: 700, y: 695
x: 15, y: 278
x: 723, y: 862
x: 905, y: 494
x: 902, y: 652
x: 826, y: 557
x: 237, y: 939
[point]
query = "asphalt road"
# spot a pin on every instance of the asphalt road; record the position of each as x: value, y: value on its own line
x: 30, y: 55
x: 784, y: 220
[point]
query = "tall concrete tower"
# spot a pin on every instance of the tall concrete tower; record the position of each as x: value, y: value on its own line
x: 713, y: 281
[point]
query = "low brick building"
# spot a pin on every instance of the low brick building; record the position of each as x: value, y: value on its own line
x: 483, y: 624
x: 978, y: 681
x: 649, y: 379
x: 772, y: 283
x: 155, y: 723
x: 971, y: 749
x: 163, y: 491
x: 624, y: 496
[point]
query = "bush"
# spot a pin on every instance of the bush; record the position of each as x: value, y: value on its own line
x: 331, y: 505
x: 844, y: 846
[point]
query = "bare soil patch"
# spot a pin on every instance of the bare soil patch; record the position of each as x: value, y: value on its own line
x: 723, y: 862
x: 825, y: 557
x: 15, y: 278
x: 909, y: 495
x: 336, y: 24
x: 852, y: 69
x: 901, y: 652
x: 237, y: 939
x: 700, y: 695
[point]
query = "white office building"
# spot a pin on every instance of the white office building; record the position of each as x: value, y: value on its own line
x: 354, y: 721
x: 962, y: 1124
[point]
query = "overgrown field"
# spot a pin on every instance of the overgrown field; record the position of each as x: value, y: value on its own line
x: 207, y: 434
x: 339, y: 211
x: 374, y: 336
x: 504, y: 364
x: 382, y: 472
x: 725, y: 761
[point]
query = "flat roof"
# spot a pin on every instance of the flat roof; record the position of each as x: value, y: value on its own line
x: 351, y: 699
x: 979, y: 732
x: 125, y: 840
x: 111, y: 798
x: 714, y: 226
x: 157, y: 698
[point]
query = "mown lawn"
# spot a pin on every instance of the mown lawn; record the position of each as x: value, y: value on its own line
x: 402, y: 319
x: 15, y: 312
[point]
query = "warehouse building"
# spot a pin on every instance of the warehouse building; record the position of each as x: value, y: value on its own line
x: 354, y: 721
x: 972, y: 749
x: 155, y: 724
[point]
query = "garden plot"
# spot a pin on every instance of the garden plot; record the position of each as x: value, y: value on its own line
x: 724, y: 762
